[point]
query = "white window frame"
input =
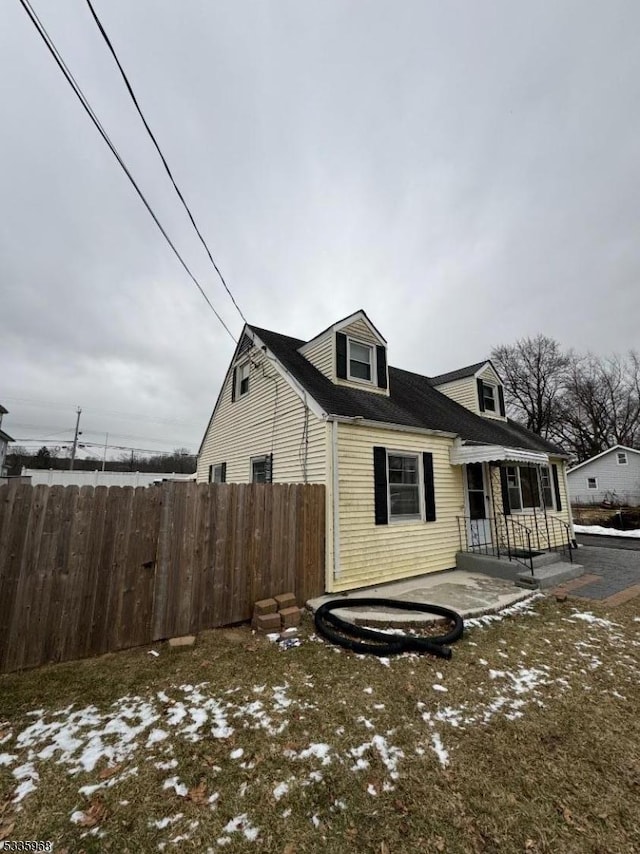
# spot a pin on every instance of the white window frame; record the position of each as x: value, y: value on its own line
x: 541, y: 506
x: 551, y: 488
x: 419, y: 517
x: 589, y: 485
x: 373, y: 364
x: 214, y: 469
x: 624, y: 461
x: 494, y: 399
x: 257, y: 459
x: 239, y: 378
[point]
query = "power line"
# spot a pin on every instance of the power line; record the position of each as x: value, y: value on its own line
x: 162, y: 157
x: 42, y: 32
x: 112, y: 412
x: 112, y: 447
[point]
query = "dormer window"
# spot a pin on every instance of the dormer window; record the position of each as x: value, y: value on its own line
x: 489, y: 397
x: 360, y: 361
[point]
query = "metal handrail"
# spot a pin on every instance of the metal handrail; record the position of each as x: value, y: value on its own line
x: 557, y: 525
x: 516, y: 540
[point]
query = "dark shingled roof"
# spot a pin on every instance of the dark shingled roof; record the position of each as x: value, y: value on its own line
x: 412, y: 401
x: 460, y: 374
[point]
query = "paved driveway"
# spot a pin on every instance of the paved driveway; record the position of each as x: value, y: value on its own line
x: 632, y: 543
x: 611, y: 573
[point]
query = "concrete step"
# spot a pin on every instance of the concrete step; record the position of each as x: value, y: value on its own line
x: 550, y: 575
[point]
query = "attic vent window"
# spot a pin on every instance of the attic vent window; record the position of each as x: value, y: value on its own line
x: 622, y: 458
x: 360, y: 361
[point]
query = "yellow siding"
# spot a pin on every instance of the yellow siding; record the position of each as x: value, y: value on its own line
x: 246, y: 428
x: 321, y: 354
x: 370, y: 553
x: 360, y: 330
x: 464, y: 392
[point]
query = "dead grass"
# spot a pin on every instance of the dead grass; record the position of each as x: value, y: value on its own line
x: 539, y: 720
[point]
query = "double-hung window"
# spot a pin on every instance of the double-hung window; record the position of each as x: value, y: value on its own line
x: 218, y: 473
x: 261, y: 469
x: 242, y: 379
x: 592, y: 483
x: 404, y: 486
x: 360, y: 361
x: 489, y: 397
x: 547, y: 490
x: 622, y: 458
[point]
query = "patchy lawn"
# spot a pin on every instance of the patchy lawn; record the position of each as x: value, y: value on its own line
x: 527, y: 740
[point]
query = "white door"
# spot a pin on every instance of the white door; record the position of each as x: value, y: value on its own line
x: 479, y: 524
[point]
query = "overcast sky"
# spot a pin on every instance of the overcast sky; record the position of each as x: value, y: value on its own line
x: 466, y: 172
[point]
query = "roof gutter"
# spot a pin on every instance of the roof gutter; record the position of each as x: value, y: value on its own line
x: 360, y: 421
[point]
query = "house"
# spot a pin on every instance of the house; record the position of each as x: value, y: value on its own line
x: 4, y: 441
x: 417, y: 469
x: 611, y: 477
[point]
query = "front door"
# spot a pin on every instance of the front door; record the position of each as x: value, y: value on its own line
x: 479, y: 525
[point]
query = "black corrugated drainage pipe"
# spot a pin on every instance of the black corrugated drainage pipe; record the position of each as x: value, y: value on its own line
x: 363, y: 640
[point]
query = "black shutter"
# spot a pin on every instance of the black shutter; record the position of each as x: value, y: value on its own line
x: 481, y: 395
x: 223, y: 478
x: 381, y: 361
x: 268, y: 469
x: 506, y: 505
x: 210, y: 474
x: 429, y: 491
x: 501, y: 400
x: 341, y: 356
x: 380, y: 485
x: 233, y: 386
x: 556, y: 485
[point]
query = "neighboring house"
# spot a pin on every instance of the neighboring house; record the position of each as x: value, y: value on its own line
x: 612, y: 476
x: 4, y: 441
x: 76, y: 477
x: 415, y: 468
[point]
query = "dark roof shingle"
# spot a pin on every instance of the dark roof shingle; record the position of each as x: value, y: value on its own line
x: 412, y: 402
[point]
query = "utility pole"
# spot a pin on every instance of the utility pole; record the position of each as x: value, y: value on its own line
x: 75, y: 441
x: 104, y: 458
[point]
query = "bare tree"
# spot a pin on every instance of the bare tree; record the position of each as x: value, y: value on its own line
x: 534, y: 372
x: 600, y: 405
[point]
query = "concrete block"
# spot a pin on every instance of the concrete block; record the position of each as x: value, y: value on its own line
x: 185, y: 640
x: 267, y: 622
x: 285, y: 600
x: 265, y: 606
x: 290, y: 617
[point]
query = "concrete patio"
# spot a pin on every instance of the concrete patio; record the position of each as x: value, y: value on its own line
x: 468, y: 593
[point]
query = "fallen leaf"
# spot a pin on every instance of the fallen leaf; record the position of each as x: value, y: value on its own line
x: 289, y: 849
x: 567, y: 816
x: 96, y: 813
x: 6, y: 830
x: 400, y: 807
x: 384, y: 848
x: 198, y: 795
x: 107, y: 773
x: 440, y: 843
x: 529, y: 844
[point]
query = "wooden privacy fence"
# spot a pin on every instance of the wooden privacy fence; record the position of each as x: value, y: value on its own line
x: 88, y: 570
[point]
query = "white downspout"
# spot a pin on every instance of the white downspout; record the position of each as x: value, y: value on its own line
x: 336, y: 500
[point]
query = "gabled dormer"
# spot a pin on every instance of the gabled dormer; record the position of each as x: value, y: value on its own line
x: 477, y: 387
x: 352, y: 353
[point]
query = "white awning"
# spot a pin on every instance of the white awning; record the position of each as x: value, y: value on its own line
x: 461, y: 454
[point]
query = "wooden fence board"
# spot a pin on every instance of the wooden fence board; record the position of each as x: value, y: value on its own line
x: 86, y: 571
